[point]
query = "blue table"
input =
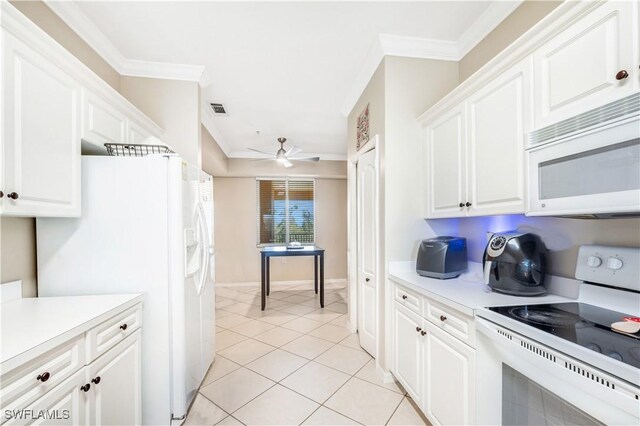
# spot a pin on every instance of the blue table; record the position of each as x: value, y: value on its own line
x: 278, y: 251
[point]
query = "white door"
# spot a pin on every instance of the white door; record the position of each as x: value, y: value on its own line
x: 498, y: 118
x: 408, y: 351
x: 66, y: 401
x: 367, y: 251
x: 446, y: 171
x: 40, y: 152
x: 115, y: 384
x: 449, y: 378
x: 577, y: 70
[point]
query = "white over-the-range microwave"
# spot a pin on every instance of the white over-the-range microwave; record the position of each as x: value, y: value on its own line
x: 588, y: 165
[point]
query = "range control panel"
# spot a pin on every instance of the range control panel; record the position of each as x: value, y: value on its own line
x: 614, y: 266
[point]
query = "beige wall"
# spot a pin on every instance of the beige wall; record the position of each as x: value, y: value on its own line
x: 18, y: 253
x: 214, y: 160
x: 529, y: 13
x: 237, y: 254
x: 174, y: 105
x: 42, y: 16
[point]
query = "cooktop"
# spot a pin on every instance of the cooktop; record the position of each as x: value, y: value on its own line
x: 580, y: 323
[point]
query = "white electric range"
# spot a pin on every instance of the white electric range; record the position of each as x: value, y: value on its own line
x: 561, y: 363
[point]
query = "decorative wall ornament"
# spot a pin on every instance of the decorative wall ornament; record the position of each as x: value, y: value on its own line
x: 363, y: 128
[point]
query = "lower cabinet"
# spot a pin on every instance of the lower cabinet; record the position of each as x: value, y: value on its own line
x: 436, y: 369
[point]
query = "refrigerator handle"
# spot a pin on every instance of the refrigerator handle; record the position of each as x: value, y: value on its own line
x: 206, y: 249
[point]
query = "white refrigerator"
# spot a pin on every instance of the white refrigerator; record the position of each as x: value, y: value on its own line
x: 146, y: 227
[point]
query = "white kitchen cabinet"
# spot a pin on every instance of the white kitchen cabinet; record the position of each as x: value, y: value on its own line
x: 446, y: 171
x: 102, y: 122
x: 449, y: 382
x: 115, y: 394
x: 584, y: 66
x: 408, y: 351
x: 137, y: 134
x: 497, y: 126
x: 41, y: 138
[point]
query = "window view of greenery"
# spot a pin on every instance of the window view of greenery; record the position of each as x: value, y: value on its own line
x: 278, y: 224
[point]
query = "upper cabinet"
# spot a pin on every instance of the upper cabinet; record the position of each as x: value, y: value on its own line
x: 589, y: 64
x: 53, y: 109
x: 582, y: 56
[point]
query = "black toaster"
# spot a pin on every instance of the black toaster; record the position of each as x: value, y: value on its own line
x: 442, y: 257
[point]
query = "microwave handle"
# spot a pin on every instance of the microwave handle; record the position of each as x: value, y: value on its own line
x: 487, y: 271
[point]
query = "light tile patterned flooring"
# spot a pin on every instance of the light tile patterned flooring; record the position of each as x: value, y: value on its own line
x: 293, y: 364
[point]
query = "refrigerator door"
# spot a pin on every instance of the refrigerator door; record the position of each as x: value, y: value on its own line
x: 207, y: 296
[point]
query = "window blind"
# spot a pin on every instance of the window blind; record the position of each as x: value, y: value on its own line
x: 286, y: 211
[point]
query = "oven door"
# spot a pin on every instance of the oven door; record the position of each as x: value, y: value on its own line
x: 521, y: 382
x: 593, y: 173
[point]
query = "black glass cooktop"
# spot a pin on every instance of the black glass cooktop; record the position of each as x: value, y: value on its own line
x: 582, y: 324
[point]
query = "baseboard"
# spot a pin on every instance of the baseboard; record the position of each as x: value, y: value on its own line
x: 277, y: 283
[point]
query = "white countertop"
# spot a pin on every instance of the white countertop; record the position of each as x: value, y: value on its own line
x: 29, y: 325
x: 465, y: 293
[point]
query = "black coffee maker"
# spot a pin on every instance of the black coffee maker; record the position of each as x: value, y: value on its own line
x: 515, y: 263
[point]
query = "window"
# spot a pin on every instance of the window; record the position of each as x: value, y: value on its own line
x: 286, y: 211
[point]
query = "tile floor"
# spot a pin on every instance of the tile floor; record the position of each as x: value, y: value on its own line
x: 293, y: 364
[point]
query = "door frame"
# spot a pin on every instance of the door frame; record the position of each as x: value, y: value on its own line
x: 352, y: 244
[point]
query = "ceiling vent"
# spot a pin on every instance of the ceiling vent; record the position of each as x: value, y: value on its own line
x: 218, y: 109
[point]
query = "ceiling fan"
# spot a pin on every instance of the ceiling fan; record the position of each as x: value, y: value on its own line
x: 285, y: 157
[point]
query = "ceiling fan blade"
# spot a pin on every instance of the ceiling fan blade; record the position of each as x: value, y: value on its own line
x: 314, y: 159
x: 293, y: 150
x: 262, y: 160
x: 270, y: 154
x: 287, y: 163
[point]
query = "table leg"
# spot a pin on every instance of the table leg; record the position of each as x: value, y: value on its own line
x: 322, y: 280
x: 262, y: 282
x: 268, y: 275
x: 315, y: 273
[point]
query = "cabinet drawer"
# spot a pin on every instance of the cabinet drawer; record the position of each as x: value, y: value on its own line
x: 106, y: 335
x: 21, y: 386
x: 408, y: 298
x: 453, y: 322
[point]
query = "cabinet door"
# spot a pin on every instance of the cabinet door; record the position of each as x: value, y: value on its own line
x: 102, y: 122
x: 136, y: 133
x: 446, y: 185
x: 449, y: 379
x: 116, y: 385
x: 63, y: 405
x: 498, y: 123
x: 41, y: 136
x: 576, y: 70
x: 407, y: 351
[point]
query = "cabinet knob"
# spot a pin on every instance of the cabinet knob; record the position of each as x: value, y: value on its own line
x: 123, y: 327
x: 44, y: 376
x: 1, y: 194
x: 13, y: 195
x: 404, y: 297
x: 468, y: 204
x: 622, y: 74
x: 367, y: 279
x: 96, y: 380
x: 443, y: 318
x: 85, y: 387
x: 418, y: 329
x: 423, y: 332
x: 461, y: 204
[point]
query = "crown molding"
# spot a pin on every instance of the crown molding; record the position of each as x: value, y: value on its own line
x: 421, y: 48
x: 257, y: 156
x: 73, y: 16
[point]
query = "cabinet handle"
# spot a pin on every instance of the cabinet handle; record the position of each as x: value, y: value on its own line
x: 468, y: 204
x: 423, y: 332
x: 404, y: 297
x: 96, y: 380
x: 13, y: 195
x: 418, y: 329
x: 44, y: 376
x: 85, y: 388
x: 443, y: 318
x: 461, y: 204
x: 367, y: 279
x: 123, y: 327
x: 622, y: 74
